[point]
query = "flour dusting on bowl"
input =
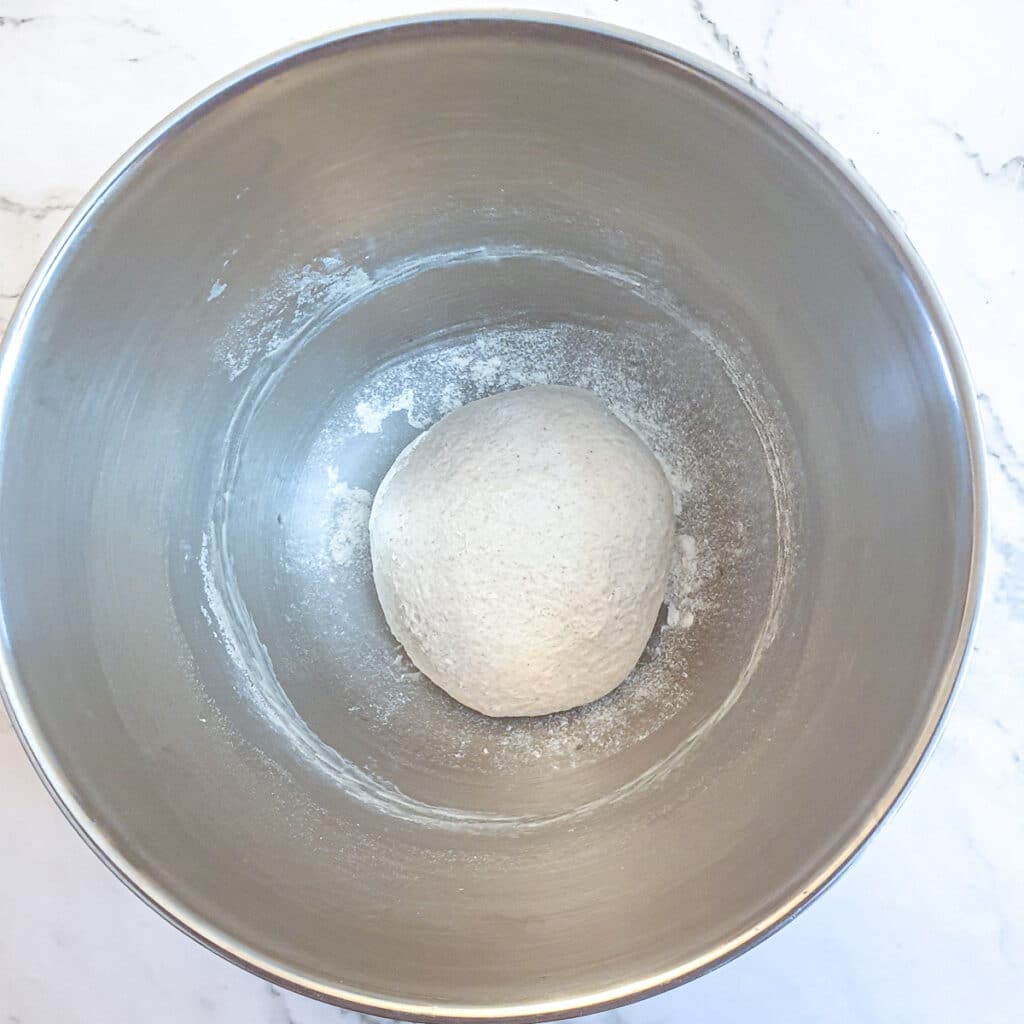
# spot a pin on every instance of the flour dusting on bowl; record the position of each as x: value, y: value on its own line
x: 627, y: 365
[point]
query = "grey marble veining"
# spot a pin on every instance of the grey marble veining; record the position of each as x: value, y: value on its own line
x: 928, y: 925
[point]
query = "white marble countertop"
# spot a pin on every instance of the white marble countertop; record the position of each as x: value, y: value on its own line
x: 927, y: 99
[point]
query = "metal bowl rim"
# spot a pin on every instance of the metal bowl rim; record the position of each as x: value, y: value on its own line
x: 45, y: 761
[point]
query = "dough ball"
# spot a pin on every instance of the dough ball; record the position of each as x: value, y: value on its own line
x: 521, y: 549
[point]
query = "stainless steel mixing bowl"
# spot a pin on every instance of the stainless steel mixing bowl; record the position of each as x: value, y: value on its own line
x: 202, y: 676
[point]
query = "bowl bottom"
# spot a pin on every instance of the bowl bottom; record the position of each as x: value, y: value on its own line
x: 283, y: 580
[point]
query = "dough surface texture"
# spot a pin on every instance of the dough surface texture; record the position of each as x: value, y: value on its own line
x: 521, y: 548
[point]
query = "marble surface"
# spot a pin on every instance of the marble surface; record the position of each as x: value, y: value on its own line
x: 926, y: 99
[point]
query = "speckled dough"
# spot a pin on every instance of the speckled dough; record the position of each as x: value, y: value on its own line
x: 521, y: 548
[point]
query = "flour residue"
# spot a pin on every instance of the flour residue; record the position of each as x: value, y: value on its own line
x: 371, y: 416
x: 440, y: 374
x: 293, y: 303
x: 348, y: 531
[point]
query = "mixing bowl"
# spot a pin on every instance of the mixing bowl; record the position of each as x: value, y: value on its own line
x: 264, y: 301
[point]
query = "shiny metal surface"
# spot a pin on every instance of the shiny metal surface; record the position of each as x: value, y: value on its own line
x: 335, y: 210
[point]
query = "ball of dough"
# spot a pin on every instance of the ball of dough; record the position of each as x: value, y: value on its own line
x: 521, y: 549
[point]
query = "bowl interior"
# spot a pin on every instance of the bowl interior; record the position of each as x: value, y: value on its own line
x: 265, y: 305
